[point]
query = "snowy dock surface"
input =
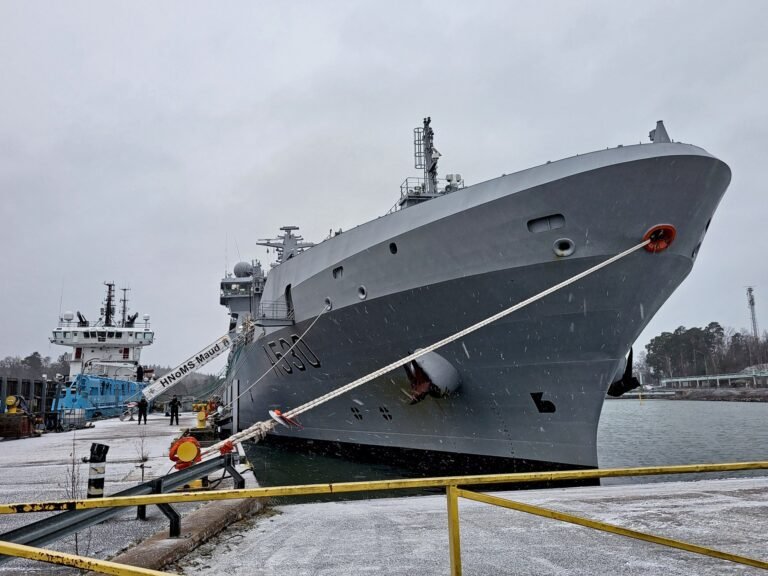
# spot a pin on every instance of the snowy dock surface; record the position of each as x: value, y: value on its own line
x: 40, y: 469
x: 410, y: 536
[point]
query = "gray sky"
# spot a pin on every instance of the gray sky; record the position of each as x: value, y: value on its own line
x: 141, y: 142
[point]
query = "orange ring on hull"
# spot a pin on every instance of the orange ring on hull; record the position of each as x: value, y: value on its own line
x: 660, y: 236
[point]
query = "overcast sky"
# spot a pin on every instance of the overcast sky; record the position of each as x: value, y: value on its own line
x: 148, y: 143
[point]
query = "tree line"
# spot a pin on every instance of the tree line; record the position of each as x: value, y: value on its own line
x: 34, y: 366
x: 701, y: 351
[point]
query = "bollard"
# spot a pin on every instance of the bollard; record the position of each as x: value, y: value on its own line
x: 96, y: 472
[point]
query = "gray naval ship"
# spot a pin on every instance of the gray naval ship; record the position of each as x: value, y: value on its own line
x: 523, y: 393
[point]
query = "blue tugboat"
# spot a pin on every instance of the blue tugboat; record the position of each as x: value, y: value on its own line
x: 106, y: 375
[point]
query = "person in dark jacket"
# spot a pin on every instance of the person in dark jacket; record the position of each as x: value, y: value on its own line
x: 143, y: 406
x: 174, y: 405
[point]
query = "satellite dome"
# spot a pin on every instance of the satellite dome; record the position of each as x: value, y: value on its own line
x: 243, y: 270
x: 68, y: 316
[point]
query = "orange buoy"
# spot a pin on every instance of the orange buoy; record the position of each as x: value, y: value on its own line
x: 660, y: 236
x: 185, y: 452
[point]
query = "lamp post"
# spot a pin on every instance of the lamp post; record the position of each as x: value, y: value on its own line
x: 43, y: 399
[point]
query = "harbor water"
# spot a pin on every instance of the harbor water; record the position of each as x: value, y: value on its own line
x: 631, y: 433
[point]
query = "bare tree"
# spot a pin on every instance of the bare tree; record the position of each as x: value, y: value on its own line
x: 73, y: 489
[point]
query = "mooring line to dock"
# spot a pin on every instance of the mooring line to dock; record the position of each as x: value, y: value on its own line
x: 260, y: 429
x: 285, y: 354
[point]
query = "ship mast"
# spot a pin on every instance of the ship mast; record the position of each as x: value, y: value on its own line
x: 288, y: 245
x: 109, y: 308
x: 426, y: 155
x: 124, y: 305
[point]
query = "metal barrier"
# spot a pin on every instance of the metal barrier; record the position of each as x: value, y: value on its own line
x: 74, y: 519
x: 63, y: 559
x: 450, y: 483
x: 453, y: 494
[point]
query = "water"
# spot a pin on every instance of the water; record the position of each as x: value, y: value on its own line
x: 631, y: 433
x: 668, y: 432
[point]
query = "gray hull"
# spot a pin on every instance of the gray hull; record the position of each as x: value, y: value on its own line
x: 533, y: 383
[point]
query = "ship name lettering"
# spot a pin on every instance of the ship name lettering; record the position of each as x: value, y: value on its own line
x: 300, y: 356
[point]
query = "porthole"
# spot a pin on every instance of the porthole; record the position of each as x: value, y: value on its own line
x: 393, y: 247
x: 563, y: 247
x: 362, y: 293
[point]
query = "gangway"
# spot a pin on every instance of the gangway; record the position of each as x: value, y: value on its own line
x: 195, y: 362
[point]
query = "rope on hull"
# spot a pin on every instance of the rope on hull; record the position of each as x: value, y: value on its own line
x: 260, y: 429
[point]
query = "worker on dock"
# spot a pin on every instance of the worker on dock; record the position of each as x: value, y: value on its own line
x: 174, y: 405
x: 143, y: 405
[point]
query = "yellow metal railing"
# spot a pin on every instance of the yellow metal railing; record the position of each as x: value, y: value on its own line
x: 64, y: 559
x: 450, y: 483
x: 454, y: 494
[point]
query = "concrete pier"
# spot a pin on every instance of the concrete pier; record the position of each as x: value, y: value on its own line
x: 36, y: 469
x: 405, y: 536
x: 409, y: 535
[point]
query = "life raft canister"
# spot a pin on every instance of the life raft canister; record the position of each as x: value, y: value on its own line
x: 660, y: 236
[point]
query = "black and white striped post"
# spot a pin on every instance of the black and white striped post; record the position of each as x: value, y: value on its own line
x: 96, y: 472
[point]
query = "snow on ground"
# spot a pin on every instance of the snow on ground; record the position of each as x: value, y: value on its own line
x: 409, y: 535
x: 38, y: 469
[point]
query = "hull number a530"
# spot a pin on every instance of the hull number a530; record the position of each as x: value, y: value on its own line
x: 299, y: 358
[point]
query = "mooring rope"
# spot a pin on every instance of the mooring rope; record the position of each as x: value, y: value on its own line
x: 285, y: 354
x: 260, y: 429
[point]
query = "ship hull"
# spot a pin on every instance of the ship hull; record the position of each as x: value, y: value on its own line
x: 531, y: 384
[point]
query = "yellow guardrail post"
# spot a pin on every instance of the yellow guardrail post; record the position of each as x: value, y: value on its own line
x: 605, y: 527
x: 454, y: 540
x: 64, y: 559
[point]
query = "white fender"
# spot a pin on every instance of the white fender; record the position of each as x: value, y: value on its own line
x: 440, y: 372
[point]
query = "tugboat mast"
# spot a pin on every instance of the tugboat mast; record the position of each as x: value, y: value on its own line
x: 109, y: 308
x: 124, y: 305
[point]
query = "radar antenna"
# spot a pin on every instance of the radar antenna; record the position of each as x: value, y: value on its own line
x: 288, y: 245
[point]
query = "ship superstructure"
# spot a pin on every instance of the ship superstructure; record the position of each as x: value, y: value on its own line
x: 105, y: 365
x: 524, y: 392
